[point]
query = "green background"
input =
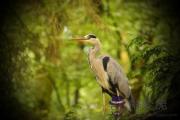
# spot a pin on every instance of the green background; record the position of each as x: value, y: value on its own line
x: 46, y: 76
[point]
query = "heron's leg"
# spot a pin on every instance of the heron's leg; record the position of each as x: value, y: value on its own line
x: 104, y: 102
x: 117, y: 92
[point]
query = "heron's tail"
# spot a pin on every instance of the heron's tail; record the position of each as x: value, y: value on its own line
x: 130, y: 104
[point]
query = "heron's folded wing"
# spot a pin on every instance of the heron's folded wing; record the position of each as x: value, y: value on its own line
x: 118, y: 77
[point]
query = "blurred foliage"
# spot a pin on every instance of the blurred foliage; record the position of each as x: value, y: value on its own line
x: 48, y: 75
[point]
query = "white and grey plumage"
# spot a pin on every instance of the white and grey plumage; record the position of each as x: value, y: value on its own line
x: 109, y: 73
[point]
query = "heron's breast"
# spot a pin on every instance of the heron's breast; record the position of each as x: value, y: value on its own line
x: 102, y: 77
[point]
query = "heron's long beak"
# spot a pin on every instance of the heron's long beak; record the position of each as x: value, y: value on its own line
x: 79, y: 39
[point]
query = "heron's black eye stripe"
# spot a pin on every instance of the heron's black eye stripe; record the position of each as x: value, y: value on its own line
x: 91, y: 36
x: 105, y: 61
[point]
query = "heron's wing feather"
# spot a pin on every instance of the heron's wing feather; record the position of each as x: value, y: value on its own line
x: 118, y: 77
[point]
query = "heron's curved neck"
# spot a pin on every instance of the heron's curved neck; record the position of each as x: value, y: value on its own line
x: 93, y: 52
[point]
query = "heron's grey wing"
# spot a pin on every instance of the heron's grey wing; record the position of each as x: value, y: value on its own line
x: 118, y: 77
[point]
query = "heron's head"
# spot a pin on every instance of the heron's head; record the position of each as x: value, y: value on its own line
x: 90, y: 38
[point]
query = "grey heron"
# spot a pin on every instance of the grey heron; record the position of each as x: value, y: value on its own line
x: 109, y: 73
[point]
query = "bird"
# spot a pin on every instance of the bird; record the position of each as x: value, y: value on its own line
x: 109, y: 74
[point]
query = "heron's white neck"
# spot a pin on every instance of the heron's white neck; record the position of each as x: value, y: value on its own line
x: 93, y: 51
